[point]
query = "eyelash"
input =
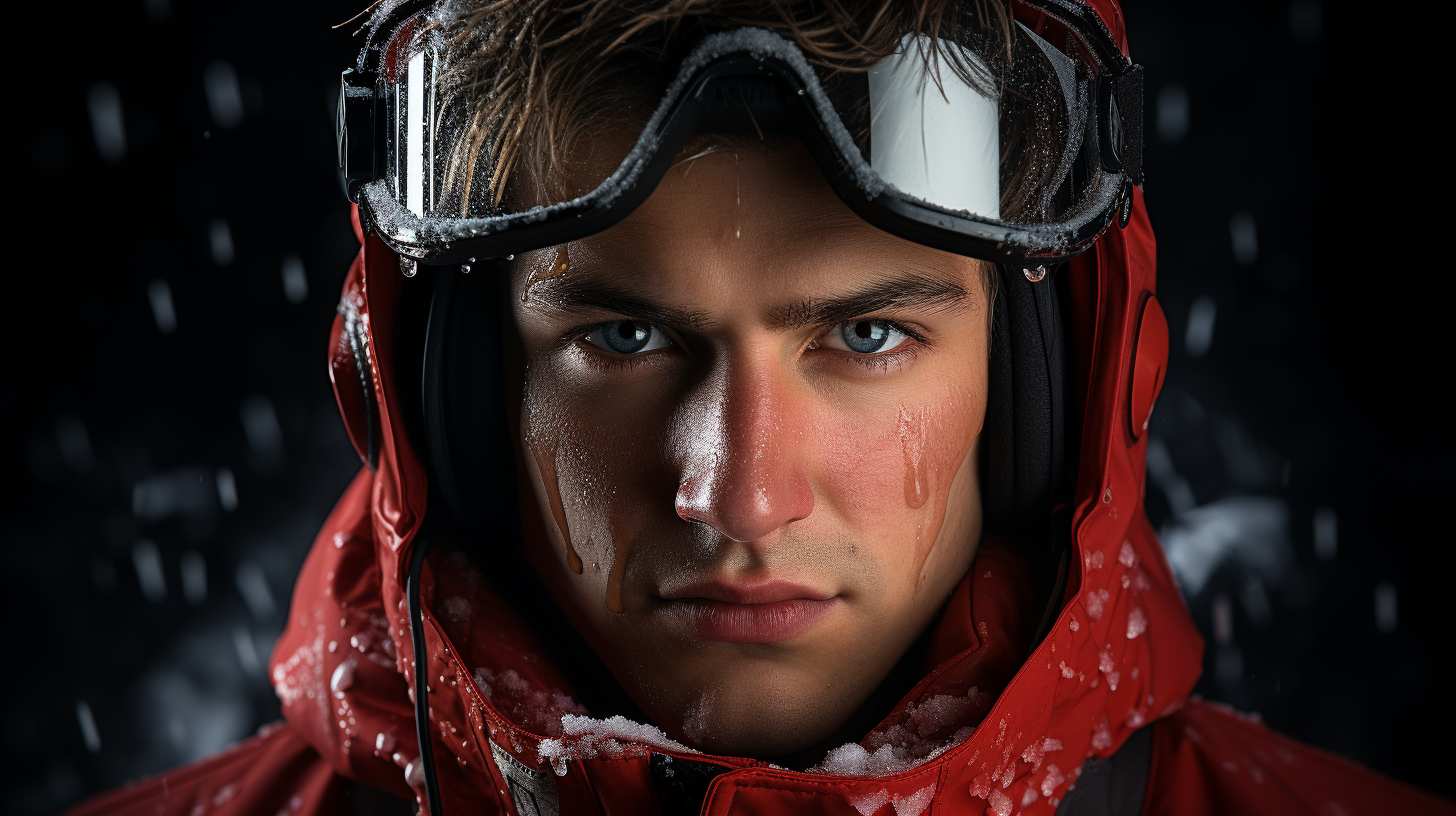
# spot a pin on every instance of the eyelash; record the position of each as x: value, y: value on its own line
x: 877, y: 363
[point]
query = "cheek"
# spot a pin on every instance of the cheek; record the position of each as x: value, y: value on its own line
x: 890, y: 479
x: 591, y: 465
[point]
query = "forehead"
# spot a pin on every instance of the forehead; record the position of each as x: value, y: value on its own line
x: 743, y: 217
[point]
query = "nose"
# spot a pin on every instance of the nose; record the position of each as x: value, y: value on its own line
x: 741, y: 447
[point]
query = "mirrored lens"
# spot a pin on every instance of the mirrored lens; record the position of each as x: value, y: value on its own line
x: 1006, y: 136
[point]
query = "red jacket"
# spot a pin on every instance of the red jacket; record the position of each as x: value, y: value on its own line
x: 1121, y: 657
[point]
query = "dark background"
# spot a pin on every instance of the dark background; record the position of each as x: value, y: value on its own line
x: 176, y: 249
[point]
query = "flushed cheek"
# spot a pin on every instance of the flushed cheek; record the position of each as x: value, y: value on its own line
x: 891, y: 479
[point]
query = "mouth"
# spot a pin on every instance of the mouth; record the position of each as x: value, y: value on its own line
x: 763, y: 612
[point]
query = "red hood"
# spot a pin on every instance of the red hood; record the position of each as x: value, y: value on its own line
x: 1122, y: 652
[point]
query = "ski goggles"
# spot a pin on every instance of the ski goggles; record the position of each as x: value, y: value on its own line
x: 1020, y: 153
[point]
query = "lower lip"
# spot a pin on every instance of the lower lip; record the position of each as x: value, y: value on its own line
x: 751, y: 623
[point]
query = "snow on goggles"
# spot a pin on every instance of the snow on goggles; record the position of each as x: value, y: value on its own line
x: 1026, y: 164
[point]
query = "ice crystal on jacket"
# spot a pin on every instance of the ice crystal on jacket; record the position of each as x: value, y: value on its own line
x: 1107, y: 667
x: 1052, y: 779
x: 1000, y: 803
x: 1101, y: 737
x: 1094, y: 560
x: 1137, y: 623
x: 1126, y: 556
x: 1094, y: 601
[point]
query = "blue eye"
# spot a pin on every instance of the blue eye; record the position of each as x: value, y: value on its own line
x: 628, y: 337
x: 865, y: 336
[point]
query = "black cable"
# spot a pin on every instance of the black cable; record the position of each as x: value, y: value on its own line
x: 423, y: 539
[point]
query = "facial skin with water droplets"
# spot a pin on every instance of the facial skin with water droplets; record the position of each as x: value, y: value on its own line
x: 743, y: 386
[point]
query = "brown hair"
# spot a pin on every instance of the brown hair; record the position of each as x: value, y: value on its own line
x: 521, y: 82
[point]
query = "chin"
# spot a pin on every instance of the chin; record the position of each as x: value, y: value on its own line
x: 756, y: 708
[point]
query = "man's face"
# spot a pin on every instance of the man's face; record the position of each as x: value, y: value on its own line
x: 748, y: 421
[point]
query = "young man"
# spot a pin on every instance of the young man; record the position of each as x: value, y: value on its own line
x: 731, y: 447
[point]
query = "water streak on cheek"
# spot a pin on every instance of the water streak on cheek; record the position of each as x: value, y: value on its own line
x: 557, y: 268
x: 621, y: 549
x: 546, y: 462
x: 912, y: 442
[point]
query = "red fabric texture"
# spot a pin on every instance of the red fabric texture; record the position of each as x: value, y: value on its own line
x: 1122, y: 652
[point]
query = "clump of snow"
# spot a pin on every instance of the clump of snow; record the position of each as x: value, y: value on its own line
x: 612, y: 738
x: 1075, y: 625
x: 981, y: 786
x: 1093, y: 560
x: 914, y: 804
x: 928, y: 729
x: 1028, y: 797
x: 537, y: 710
x: 1126, y: 556
x: 1067, y: 671
x: 1101, y: 737
x: 1095, y: 600
x: 1000, y: 803
x: 384, y: 743
x: 1137, y: 623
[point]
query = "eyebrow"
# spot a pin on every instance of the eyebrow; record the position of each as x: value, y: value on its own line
x: 566, y: 294
x: 906, y: 291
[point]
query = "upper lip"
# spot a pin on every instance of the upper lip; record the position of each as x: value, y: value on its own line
x: 745, y: 592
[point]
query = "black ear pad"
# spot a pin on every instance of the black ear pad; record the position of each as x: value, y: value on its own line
x: 1024, y: 438
x: 472, y: 460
